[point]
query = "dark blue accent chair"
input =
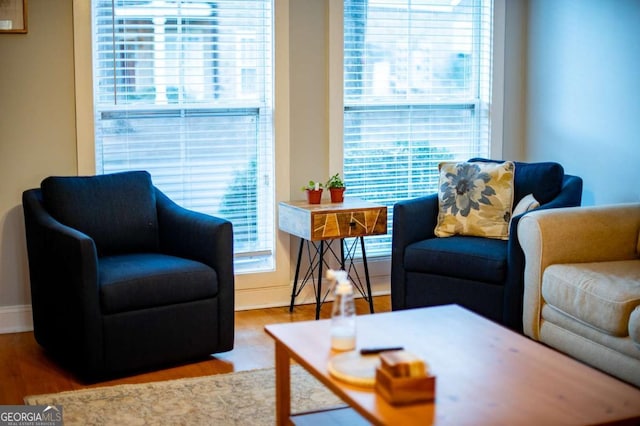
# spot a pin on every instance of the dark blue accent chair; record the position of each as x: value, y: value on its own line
x: 122, y: 278
x: 481, y: 274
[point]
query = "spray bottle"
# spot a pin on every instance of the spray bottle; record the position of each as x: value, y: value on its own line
x: 343, y: 315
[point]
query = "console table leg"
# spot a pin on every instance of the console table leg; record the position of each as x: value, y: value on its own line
x: 319, y: 290
x: 366, y: 274
x: 295, y: 279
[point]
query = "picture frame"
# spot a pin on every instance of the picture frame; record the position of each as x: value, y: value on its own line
x: 13, y: 16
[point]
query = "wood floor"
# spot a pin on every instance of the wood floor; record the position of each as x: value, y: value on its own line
x: 26, y: 370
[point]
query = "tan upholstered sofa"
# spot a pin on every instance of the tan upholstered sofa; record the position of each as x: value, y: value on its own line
x: 582, y: 284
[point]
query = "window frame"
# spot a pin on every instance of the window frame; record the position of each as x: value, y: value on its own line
x: 381, y: 264
x: 251, y: 285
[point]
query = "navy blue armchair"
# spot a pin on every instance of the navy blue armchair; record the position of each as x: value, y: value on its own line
x: 122, y: 278
x: 482, y: 274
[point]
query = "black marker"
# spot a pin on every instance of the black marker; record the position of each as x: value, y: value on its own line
x: 371, y: 351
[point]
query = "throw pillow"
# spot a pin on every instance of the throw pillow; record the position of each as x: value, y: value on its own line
x: 527, y: 203
x: 475, y: 199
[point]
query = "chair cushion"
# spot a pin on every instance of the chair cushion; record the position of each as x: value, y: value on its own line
x: 543, y: 180
x: 144, y: 280
x: 601, y: 294
x: 118, y: 211
x: 473, y: 258
x: 475, y: 199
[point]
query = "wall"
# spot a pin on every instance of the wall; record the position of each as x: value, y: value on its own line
x: 563, y: 102
x: 514, y: 80
x: 583, y: 93
x: 308, y: 88
x: 37, y: 131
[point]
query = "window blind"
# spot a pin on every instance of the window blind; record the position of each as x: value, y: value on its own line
x: 417, y: 91
x: 183, y: 89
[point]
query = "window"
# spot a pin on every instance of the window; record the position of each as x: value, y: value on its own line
x: 417, y: 91
x: 183, y: 89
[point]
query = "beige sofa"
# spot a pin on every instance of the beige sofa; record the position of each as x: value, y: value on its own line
x: 582, y: 284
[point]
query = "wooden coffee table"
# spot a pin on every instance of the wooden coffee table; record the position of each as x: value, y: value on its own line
x: 486, y: 374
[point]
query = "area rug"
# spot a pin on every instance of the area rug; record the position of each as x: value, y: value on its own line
x: 242, y: 398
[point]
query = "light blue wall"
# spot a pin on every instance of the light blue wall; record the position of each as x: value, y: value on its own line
x: 583, y: 93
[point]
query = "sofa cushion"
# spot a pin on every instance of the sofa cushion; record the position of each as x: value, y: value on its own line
x: 138, y: 281
x: 601, y: 294
x: 473, y: 258
x: 475, y: 199
x: 543, y: 180
x: 118, y: 211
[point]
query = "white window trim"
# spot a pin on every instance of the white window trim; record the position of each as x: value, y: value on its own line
x: 252, y: 289
x: 497, y: 95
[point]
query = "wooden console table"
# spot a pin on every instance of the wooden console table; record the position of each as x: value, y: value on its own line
x: 318, y: 225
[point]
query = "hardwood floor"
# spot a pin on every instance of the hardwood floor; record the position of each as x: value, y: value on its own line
x: 26, y: 370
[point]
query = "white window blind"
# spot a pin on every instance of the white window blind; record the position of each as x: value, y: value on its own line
x: 417, y: 91
x: 183, y: 89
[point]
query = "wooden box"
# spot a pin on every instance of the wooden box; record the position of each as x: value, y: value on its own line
x: 328, y: 221
x: 405, y: 390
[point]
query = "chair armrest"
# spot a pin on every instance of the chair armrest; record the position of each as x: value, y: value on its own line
x: 54, y: 247
x: 572, y: 235
x: 64, y: 277
x: 413, y: 220
x: 204, y: 238
x: 200, y: 237
x: 570, y: 195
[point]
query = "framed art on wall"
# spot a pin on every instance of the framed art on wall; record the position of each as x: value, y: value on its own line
x: 13, y: 16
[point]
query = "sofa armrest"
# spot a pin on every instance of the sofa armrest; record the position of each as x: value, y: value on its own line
x: 570, y: 196
x: 572, y: 235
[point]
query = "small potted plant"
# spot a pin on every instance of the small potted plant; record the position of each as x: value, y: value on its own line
x: 314, y: 192
x: 336, y: 188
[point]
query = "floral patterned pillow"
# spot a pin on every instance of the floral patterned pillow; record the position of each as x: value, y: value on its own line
x: 475, y: 199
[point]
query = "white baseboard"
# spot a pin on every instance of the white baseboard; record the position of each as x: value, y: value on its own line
x: 270, y: 297
x: 15, y: 319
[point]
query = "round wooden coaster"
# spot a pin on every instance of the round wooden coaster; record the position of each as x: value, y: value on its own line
x: 355, y: 369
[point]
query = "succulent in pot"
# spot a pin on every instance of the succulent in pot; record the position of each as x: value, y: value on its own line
x: 336, y: 188
x: 314, y: 192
